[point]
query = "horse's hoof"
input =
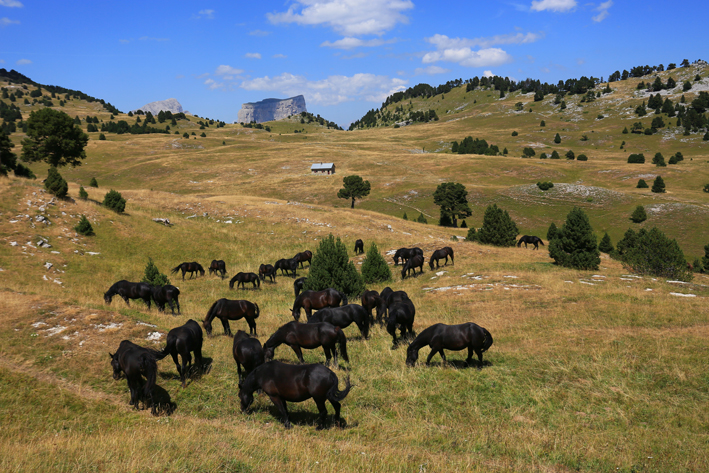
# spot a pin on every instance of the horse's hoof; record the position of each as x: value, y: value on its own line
x: 319, y: 427
x: 288, y: 425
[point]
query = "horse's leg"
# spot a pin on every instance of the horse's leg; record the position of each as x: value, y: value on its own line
x: 281, y: 405
x: 225, y: 324
x: 336, y: 405
x: 298, y: 352
x: 479, y: 352
x: 469, y: 360
x: 328, y: 356
x: 252, y: 326
x: 322, y: 409
x: 177, y: 363
x: 198, y: 357
x: 434, y: 350
x: 186, y: 358
x: 177, y: 303
x: 125, y: 298
x: 238, y: 369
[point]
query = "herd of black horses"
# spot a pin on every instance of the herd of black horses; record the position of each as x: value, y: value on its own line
x: 284, y: 382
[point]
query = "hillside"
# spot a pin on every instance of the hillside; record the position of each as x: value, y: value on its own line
x: 586, y: 367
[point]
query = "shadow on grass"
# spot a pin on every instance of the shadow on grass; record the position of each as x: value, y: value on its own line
x: 303, y: 418
x: 458, y: 364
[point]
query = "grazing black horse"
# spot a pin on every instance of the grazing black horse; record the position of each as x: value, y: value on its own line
x: 295, y: 383
x: 444, y: 252
x: 243, y: 278
x: 359, y: 247
x: 191, y: 268
x: 372, y: 300
x: 414, y: 262
x: 306, y: 255
x: 451, y: 337
x: 298, y: 285
x: 343, y: 316
x: 310, y: 300
x: 267, y: 271
x: 406, y: 253
x: 226, y: 310
x: 181, y: 341
x: 167, y: 294
x: 248, y: 352
x: 218, y: 267
x: 401, y: 315
x: 134, y: 362
x: 532, y: 240
x: 129, y: 290
x: 297, y: 336
x: 287, y: 265
x: 389, y: 297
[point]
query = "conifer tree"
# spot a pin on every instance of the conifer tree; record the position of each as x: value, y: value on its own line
x: 554, y: 155
x: 551, y: 233
x: 705, y: 260
x: 498, y: 228
x: 639, y: 215
x: 153, y: 276
x: 472, y: 235
x: 557, y: 139
x: 93, y: 182
x: 374, y: 267
x: 655, y: 254
x: 453, y: 200
x: 658, y: 186
x: 332, y: 267
x: 421, y: 218
x: 575, y: 245
x: 84, y: 226
x: 114, y: 200
x: 55, y: 183
x: 659, y: 160
x: 605, y: 246
x: 82, y: 193
x: 642, y: 184
x: 405, y: 217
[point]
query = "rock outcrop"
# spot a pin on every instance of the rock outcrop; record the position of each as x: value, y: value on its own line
x: 169, y: 105
x: 271, y: 109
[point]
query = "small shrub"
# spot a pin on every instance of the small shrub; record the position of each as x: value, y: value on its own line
x: 658, y: 186
x: 581, y: 157
x: 405, y: 217
x: 557, y: 139
x: 374, y: 267
x: 636, y: 158
x: 84, y: 226
x: 543, y: 156
x: 652, y: 253
x: 584, y: 138
x: 639, y: 215
x: 421, y: 218
x: 575, y: 243
x: 706, y: 188
x: 332, y: 267
x: 114, y: 200
x: 570, y: 155
x: 203, y: 135
x: 642, y: 184
x: 153, y: 276
x: 498, y: 228
x: 545, y: 185
x: 605, y: 246
x: 514, y: 133
x: 102, y: 137
x: 552, y: 231
x: 55, y: 183
x: 93, y: 182
x: 83, y: 194
x: 472, y: 235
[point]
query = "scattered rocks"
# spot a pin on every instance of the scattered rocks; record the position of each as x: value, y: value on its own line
x: 48, y: 265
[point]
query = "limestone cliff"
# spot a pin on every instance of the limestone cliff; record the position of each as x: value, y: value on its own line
x: 271, y: 109
x: 169, y: 105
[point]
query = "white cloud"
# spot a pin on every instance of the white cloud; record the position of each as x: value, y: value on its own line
x: 206, y: 14
x: 11, y: 3
x: 2, y: 61
x: 279, y: 56
x: 488, y: 74
x: 348, y: 17
x: 4, y: 21
x: 212, y: 84
x: 351, y: 43
x: 259, y: 33
x: 225, y: 70
x: 23, y: 62
x: 253, y: 55
x: 602, y: 10
x: 442, y: 41
x: 468, y: 58
x: 332, y: 90
x: 430, y: 70
x: 553, y: 5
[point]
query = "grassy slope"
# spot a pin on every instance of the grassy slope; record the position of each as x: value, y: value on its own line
x: 583, y: 376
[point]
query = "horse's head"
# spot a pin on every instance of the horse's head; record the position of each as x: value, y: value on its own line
x: 207, y: 324
x: 200, y: 269
x: 403, y: 272
x: 296, y: 313
x: 430, y: 263
x: 116, y: 365
x: 107, y: 297
x: 246, y: 397
x: 268, y: 353
x: 411, y: 356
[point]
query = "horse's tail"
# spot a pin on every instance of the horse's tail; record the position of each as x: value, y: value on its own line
x: 169, y: 348
x: 173, y: 271
x: 150, y: 367
x: 487, y: 343
x: 519, y: 243
x: 342, y: 341
x: 541, y: 242
x: 212, y: 312
x: 258, y: 311
x: 336, y: 395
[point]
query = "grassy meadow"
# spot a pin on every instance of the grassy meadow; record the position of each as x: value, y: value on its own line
x: 598, y: 371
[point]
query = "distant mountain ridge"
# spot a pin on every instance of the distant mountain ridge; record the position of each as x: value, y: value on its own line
x: 271, y: 109
x: 169, y: 105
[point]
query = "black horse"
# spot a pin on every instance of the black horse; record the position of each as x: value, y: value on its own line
x: 267, y: 271
x: 134, y: 362
x: 451, y: 337
x: 129, y: 290
x: 248, y: 352
x: 389, y: 297
x: 414, y: 262
x: 405, y: 253
x: 306, y: 255
x: 359, y: 247
x: 243, y: 278
x: 181, y: 341
x: 532, y: 240
x: 298, y: 285
x: 167, y: 294
x: 401, y: 315
x: 297, y: 336
x: 191, y: 268
x: 343, y: 316
x: 226, y: 310
x: 295, y: 383
x: 288, y: 266
x: 444, y: 252
x: 372, y: 300
x: 310, y: 300
x: 217, y: 267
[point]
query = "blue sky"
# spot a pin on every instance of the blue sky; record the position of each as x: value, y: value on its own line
x: 344, y: 56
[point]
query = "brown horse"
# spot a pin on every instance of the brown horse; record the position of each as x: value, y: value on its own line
x: 226, y: 310
x: 451, y: 337
x: 444, y: 252
x: 306, y: 255
x: 267, y: 271
x: 297, y: 336
x: 248, y: 352
x: 414, y: 262
x: 405, y: 253
x: 243, y: 278
x: 191, y: 268
x: 310, y: 300
x: 217, y: 267
x: 359, y: 247
x: 372, y: 300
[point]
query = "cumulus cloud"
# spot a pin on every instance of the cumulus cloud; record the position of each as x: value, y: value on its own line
x: 11, y: 3
x: 553, y: 5
x: 330, y: 91
x: 23, y: 62
x: 212, y: 84
x: 602, y: 10
x: 279, y: 56
x: 442, y: 41
x: 206, y: 14
x: 4, y: 21
x: 351, y: 43
x: 226, y: 73
x: 347, y: 17
x: 430, y: 70
x: 468, y: 58
x: 488, y: 74
x: 253, y: 55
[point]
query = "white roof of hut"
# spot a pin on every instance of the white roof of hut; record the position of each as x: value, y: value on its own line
x: 318, y: 166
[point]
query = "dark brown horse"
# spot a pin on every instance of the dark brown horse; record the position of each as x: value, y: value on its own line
x: 288, y: 266
x: 129, y: 290
x: 444, y: 252
x: 306, y: 255
x: 451, y: 337
x: 344, y: 316
x: 414, y: 262
x: 248, y: 352
x: 405, y: 253
x: 389, y: 297
x: 217, y: 267
x: 134, y: 362
x: 298, y: 285
x: 372, y: 300
x: 297, y: 336
x: 267, y: 271
x: 532, y: 240
x: 359, y: 247
x: 401, y: 315
x: 226, y: 310
x: 191, y: 268
x: 167, y: 294
x: 243, y: 278
x: 181, y: 341
x: 294, y: 383
x: 310, y: 300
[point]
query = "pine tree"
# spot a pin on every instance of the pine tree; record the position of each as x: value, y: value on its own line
x: 575, y: 244
x: 472, y: 235
x: 705, y: 260
x: 658, y: 186
x: 642, y: 184
x: 84, y: 226
x: 498, y: 228
x: 551, y: 233
x: 405, y: 217
x: 542, y: 123
x: 639, y: 215
x: 93, y: 182
x: 421, y: 218
x: 697, y: 265
x: 374, y: 267
x: 114, y: 200
x: 557, y: 139
x: 332, y: 267
x: 82, y: 193
x: 659, y: 160
x: 55, y: 183
x: 153, y: 276
x: 605, y: 246
x: 463, y: 224
x: 554, y: 155
x: 654, y: 254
